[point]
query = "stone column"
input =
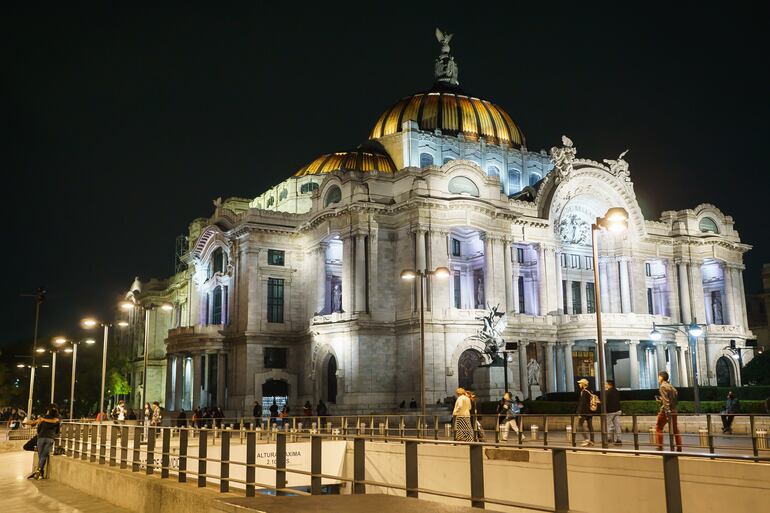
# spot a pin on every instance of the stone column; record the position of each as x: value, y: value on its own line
x: 660, y: 352
x: 560, y: 374
x: 510, y: 304
x: 673, y: 291
x: 569, y: 298
x: 523, y: 376
x: 633, y: 357
x: 489, y: 270
x: 696, y: 297
x: 206, y: 380
x: 196, y: 380
x: 684, y: 374
x: 583, y: 298
x: 361, y: 272
x: 613, y: 286
x: 625, y: 287
x: 741, y: 302
x: 347, y: 274
x: 568, y: 366
x: 604, y: 285
x: 179, y: 385
x: 515, y: 287
x: 729, y: 303
x: 221, y: 383
x: 674, y: 357
x: 542, y: 290
x: 684, y: 293
x: 373, y: 268
x: 320, y: 282
x: 550, y: 365
x: 559, y: 285
x: 169, y: 400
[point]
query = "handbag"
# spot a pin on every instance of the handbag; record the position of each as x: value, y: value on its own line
x: 31, y: 444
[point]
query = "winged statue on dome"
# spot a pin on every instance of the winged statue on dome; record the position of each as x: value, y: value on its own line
x: 444, y: 39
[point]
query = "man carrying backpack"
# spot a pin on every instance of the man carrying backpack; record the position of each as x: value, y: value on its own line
x: 587, y: 407
x: 668, y: 399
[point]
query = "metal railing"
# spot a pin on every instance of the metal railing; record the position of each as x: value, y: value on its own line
x: 108, y: 444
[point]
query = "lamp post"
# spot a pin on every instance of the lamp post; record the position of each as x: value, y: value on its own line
x: 127, y: 306
x: 693, y: 331
x: 616, y: 220
x: 409, y: 275
x: 90, y: 323
x: 53, y: 352
x: 39, y: 296
x: 60, y: 342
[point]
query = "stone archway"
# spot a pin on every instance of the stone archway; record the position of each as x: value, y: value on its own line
x: 725, y: 372
x: 470, y: 360
x: 330, y: 376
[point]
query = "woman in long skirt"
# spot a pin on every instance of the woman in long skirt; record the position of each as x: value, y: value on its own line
x: 462, y: 415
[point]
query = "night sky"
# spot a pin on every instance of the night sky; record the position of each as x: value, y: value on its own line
x: 120, y: 126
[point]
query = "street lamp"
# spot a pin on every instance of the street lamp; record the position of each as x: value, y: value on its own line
x: 615, y: 220
x: 39, y: 296
x: 693, y: 330
x: 410, y: 275
x: 90, y: 323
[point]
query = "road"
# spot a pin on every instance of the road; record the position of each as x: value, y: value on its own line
x: 20, y: 494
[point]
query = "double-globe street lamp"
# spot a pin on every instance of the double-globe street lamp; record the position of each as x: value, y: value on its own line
x: 128, y: 306
x: 423, y: 275
x: 693, y: 331
x: 62, y: 342
x: 615, y: 220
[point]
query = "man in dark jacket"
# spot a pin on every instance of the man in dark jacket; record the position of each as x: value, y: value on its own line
x: 257, y: 413
x: 669, y: 401
x: 732, y: 406
x: 48, y: 426
x: 612, y: 396
x: 584, y: 410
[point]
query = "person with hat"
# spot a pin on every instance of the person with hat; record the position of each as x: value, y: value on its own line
x: 586, y: 415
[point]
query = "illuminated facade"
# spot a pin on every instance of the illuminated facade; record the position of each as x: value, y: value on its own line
x: 296, y: 292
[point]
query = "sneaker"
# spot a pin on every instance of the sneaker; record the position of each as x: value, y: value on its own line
x: 523, y: 437
x: 585, y: 443
x: 34, y: 475
x: 39, y: 476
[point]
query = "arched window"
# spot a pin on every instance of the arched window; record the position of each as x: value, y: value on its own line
x: 333, y: 195
x: 534, y: 178
x: 493, y: 171
x: 218, y: 262
x: 708, y: 225
x: 448, y: 159
x: 514, y: 180
x: 463, y: 185
x: 308, y: 187
x: 283, y: 194
x: 426, y: 159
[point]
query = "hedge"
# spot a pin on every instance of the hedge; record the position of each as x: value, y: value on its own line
x: 628, y: 407
x: 685, y: 394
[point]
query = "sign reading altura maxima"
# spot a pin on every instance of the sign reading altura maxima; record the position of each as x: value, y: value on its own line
x: 294, y: 292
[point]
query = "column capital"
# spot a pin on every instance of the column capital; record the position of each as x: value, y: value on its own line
x: 632, y: 342
x: 567, y: 343
x: 418, y: 228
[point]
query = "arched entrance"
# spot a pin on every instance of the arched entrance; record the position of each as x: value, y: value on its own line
x: 725, y: 376
x: 469, y: 361
x: 331, y: 380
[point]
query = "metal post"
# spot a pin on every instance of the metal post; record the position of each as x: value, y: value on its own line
x: 505, y: 371
x: 202, y: 454
x: 412, y: 479
x: 113, y: 444
x: 224, y: 465
x: 84, y: 443
x: 38, y: 299
x: 560, y: 482
x: 694, y: 357
x: 123, y: 447
x: 280, y: 463
x: 359, y: 465
x: 251, y: 458
x: 315, y: 464
x: 94, y: 439
x: 137, y: 449
x: 53, y: 374
x: 164, y: 457
x: 672, y: 483
x: 72, y: 381
x: 104, y: 372
x: 183, y: 435
x: 150, y: 467
x: 599, y: 336
x: 144, y: 371
x: 477, y: 475
x: 423, y: 277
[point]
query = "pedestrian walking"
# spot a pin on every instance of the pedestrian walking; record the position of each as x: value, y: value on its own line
x: 669, y: 400
x: 273, y: 412
x: 509, y: 410
x: 119, y: 412
x: 462, y: 417
x: 478, y: 429
x: 48, y: 426
x: 156, y: 416
x: 257, y: 413
x: 732, y: 407
x: 612, y: 396
x: 586, y: 412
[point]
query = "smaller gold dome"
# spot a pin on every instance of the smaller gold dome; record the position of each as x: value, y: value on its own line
x: 355, y: 160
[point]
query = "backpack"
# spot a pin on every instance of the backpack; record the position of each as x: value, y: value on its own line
x: 594, y: 402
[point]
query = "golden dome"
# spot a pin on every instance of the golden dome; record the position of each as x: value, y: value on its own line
x: 453, y: 113
x: 355, y: 160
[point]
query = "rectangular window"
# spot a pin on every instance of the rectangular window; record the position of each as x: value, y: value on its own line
x: 647, y: 269
x: 457, y: 290
x: 275, y: 357
x: 216, y: 306
x: 650, y: 304
x: 590, y: 298
x: 522, y: 302
x: 274, y: 300
x: 564, y: 295
x: 589, y: 263
x: 577, y: 307
x: 275, y: 257
x: 455, y: 248
x: 563, y: 259
x: 575, y: 261
x: 520, y: 255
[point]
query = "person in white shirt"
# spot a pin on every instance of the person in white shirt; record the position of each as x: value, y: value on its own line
x: 462, y: 416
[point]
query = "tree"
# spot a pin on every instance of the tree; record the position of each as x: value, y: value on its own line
x: 757, y: 371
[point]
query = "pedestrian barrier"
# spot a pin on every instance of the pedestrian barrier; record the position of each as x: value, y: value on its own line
x: 703, y: 435
x: 761, y: 437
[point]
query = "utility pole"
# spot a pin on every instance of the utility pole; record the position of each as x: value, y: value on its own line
x: 39, y: 296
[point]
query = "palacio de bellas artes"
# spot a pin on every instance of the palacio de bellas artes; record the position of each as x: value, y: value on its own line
x: 297, y: 294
